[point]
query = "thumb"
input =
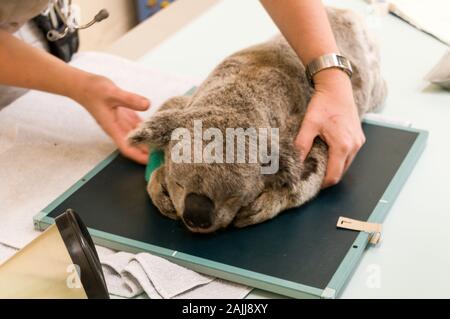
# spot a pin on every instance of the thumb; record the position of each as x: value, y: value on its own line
x: 131, y: 101
x: 305, y: 139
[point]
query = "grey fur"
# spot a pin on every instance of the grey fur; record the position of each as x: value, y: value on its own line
x: 261, y: 86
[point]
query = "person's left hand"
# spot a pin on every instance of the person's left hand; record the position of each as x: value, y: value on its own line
x: 114, y: 110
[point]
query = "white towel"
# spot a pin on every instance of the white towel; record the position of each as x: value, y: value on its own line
x: 129, y: 275
x: 118, y: 282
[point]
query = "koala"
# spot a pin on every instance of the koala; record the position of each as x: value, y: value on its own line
x: 263, y: 86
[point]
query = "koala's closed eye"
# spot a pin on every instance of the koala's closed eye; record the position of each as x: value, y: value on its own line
x: 179, y: 185
x: 164, y: 191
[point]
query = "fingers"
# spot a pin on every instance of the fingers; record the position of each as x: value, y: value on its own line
x: 134, y: 119
x: 337, y: 158
x: 116, y: 115
x: 134, y: 153
x: 137, y: 154
x: 118, y: 125
x: 131, y: 101
x: 357, y: 144
x: 340, y: 156
x: 305, y: 139
x: 128, y: 119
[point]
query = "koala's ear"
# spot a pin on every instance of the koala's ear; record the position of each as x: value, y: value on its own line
x: 157, y: 130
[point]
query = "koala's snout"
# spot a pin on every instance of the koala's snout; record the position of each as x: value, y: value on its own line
x: 198, y: 211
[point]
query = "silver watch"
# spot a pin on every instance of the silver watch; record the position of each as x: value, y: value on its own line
x: 328, y: 61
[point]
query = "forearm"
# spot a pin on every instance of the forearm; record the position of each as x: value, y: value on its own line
x: 304, y: 23
x: 22, y: 65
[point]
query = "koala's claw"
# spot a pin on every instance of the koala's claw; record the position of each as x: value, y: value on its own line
x: 265, y: 207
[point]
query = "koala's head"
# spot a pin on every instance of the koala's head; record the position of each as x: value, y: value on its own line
x: 204, y: 193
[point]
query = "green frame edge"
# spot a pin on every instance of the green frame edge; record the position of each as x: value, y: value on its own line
x: 253, y: 279
x: 354, y: 255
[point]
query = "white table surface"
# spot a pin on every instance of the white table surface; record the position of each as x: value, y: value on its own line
x: 413, y: 259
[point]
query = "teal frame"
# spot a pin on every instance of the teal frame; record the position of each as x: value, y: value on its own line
x: 246, y: 277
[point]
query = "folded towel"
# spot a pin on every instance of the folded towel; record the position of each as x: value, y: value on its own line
x: 129, y: 275
x: 119, y: 282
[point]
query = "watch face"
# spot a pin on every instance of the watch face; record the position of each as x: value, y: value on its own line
x: 328, y: 61
x: 345, y: 64
x: 342, y: 60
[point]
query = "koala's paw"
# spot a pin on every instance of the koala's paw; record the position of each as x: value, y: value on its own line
x: 268, y: 205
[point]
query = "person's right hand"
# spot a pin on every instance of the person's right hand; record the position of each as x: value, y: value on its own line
x: 333, y: 116
x: 114, y: 110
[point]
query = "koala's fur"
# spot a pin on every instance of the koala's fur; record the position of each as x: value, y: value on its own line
x: 261, y: 86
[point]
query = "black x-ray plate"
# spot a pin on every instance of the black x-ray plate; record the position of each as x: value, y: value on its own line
x: 299, y: 253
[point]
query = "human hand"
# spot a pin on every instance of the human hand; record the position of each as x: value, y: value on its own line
x: 114, y: 110
x: 333, y: 116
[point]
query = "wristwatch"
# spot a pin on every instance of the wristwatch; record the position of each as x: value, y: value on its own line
x: 328, y: 61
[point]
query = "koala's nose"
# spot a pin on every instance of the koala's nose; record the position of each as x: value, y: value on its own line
x: 198, y: 210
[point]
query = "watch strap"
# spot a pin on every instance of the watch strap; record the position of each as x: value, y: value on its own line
x: 328, y: 61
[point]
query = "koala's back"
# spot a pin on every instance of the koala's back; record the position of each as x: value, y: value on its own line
x: 266, y: 83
